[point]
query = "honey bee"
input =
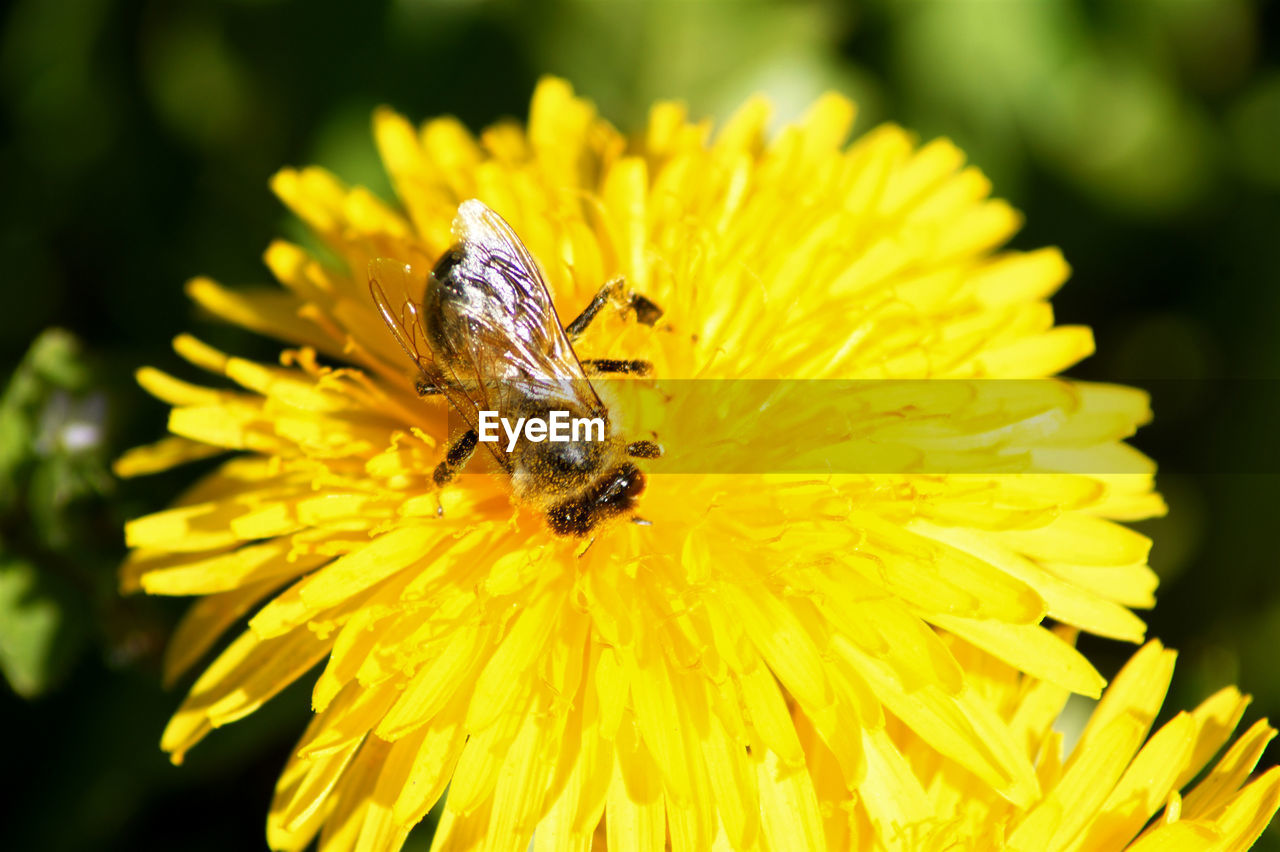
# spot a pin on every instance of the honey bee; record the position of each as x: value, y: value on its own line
x: 493, y: 342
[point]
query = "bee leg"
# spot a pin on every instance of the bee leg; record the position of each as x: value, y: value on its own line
x: 455, y: 457
x: 647, y: 311
x: 644, y: 450
x: 596, y: 366
x: 611, y: 290
x: 425, y: 388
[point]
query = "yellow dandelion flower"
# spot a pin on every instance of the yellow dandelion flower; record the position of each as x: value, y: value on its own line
x: 668, y: 681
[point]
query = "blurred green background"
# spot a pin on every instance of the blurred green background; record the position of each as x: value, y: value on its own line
x: 1140, y: 136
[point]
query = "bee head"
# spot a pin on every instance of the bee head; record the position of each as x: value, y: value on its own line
x: 611, y: 495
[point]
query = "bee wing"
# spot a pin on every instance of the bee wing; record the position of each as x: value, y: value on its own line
x: 405, y: 322
x: 515, y: 343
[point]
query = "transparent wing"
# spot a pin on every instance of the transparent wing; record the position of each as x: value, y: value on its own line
x: 504, y: 320
x: 404, y: 322
x: 405, y: 325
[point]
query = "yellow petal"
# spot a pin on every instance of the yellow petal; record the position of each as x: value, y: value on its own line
x: 1029, y: 648
x: 162, y: 455
x: 790, y: 815
x: 631, y: 825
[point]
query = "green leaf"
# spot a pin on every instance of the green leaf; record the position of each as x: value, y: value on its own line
x: 53, y: 363
x: 52, y: 441
x: 39, y: 633
x: 16, y: 441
